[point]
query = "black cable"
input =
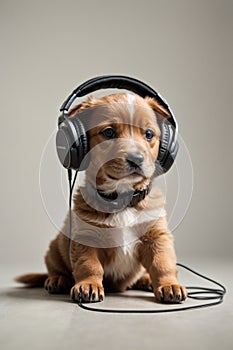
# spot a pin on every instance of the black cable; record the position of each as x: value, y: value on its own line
x: 75, y: 176
x: 71, y: 188
x: 219, y: 295
x: 197, y: 294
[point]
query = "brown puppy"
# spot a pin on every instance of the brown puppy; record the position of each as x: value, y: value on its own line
x: 127, y: 244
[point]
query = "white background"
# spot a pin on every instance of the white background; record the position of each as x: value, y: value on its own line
x: 181, y: 48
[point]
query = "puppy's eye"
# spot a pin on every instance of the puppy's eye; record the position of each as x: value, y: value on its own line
x: 109, y: 133
x: 149, y: 134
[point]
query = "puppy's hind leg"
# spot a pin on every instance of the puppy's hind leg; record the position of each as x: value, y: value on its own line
x: 143, y: 283
x: 60, y: 278
x: 58, y: 284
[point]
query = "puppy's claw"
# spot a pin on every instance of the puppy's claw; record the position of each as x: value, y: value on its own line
x: 87, y: 292
x: 170, y: 293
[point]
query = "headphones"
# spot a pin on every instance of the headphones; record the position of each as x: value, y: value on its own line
x: 72, y: 140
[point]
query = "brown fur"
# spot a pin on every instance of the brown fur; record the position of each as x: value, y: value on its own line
x: 84, y: 271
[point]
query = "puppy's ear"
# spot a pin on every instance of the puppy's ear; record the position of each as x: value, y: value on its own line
x: 157, y: 107
x: 91, y: 102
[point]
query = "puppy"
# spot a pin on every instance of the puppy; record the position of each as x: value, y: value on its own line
x: 120, y: 237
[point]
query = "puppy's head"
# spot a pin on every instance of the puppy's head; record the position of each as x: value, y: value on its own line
x: 124, y: 138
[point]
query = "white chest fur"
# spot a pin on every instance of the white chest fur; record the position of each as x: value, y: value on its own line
x: 120, y: 230
x: 124, y: 263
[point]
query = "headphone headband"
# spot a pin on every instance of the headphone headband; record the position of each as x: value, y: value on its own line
x: 117, y: 82
x: 72, y: 138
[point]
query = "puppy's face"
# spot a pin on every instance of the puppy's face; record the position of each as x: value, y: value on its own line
x: 124, y: 141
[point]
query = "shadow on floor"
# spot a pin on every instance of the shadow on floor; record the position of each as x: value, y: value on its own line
x: 33, y: 294
x: 41, y: 294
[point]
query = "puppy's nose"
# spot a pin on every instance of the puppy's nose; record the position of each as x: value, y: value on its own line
x: 135, y: 159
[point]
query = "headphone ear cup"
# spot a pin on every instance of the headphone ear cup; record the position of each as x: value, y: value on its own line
x: 168, y: 149
x: 64, y: 144
x: 81, y: 159
x: 171, y: 156
x: 72, y: 144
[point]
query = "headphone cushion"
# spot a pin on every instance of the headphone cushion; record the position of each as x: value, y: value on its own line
x: 171, y: 157
x: 164, y: 141
x: 167, y: 150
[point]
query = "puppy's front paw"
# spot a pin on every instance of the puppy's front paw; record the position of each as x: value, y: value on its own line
x: 87, y: 292
x: 170, y: 293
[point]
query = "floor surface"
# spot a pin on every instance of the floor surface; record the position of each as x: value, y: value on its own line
x: 33, y: 319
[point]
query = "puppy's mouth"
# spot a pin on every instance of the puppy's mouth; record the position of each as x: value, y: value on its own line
x: 129, y: 173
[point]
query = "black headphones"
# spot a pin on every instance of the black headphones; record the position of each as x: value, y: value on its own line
x: 72, y: 141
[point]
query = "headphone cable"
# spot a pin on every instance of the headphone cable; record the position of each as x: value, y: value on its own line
x: 209, y: 294
x: 197, y: 293
x: 71, y: 188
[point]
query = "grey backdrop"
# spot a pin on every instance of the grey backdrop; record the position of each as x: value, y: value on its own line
x: 183, y: 48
